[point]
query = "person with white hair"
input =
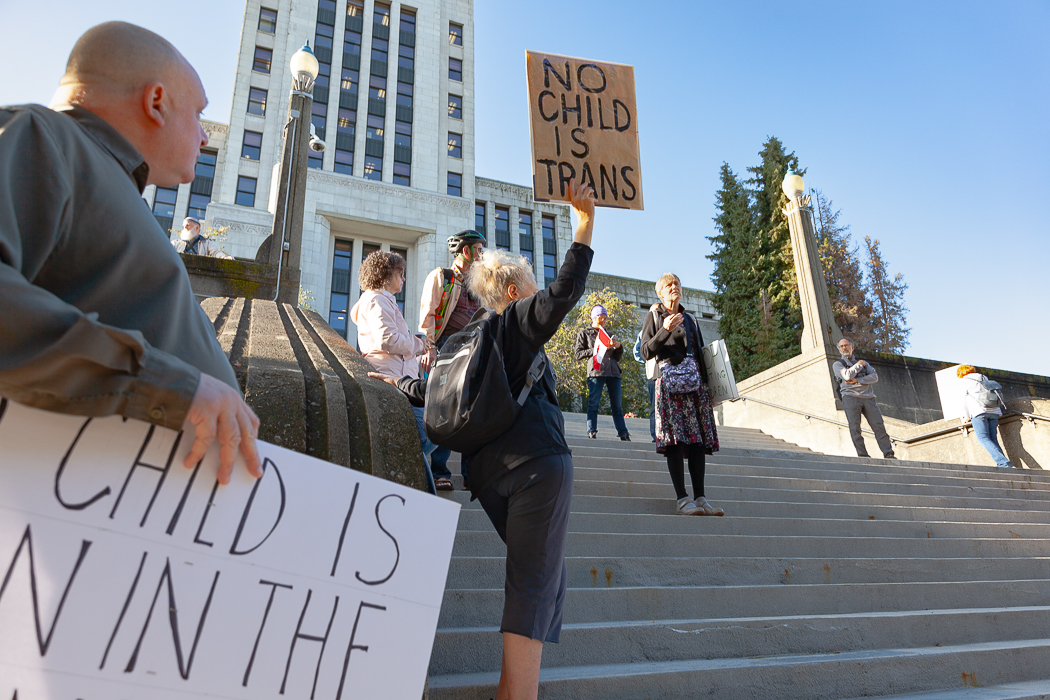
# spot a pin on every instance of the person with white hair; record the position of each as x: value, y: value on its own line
x: 191, y: 241
x: 524, y: 477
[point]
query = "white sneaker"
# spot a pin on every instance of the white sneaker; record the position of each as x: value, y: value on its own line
x: 687, y: 507
x: 706, y: 508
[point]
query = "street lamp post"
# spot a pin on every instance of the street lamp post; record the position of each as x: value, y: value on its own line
x: 286, y: 242
x: 818, y: 317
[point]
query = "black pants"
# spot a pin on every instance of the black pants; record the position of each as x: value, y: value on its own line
x: 676, y: 455
x: 529, y: 506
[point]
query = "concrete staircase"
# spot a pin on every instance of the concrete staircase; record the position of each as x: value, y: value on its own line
x: 828, y: 577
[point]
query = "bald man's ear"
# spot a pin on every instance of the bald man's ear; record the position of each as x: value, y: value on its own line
x: 154, y: 103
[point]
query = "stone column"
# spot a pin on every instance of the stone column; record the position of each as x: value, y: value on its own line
x: 512, y: 225
x: 819, y: 328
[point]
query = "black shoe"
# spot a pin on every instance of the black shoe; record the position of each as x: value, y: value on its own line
x: 889, y: 456
x: 593, y: 436
x: 626, y: 437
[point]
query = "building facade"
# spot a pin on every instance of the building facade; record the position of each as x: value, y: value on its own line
x: 394, y: 103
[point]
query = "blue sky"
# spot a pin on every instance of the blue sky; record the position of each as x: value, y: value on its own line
x: 926, y: 123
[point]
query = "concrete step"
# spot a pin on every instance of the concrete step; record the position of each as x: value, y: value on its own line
x: 477, y: 521
x: 474, y: 650
x: 1031, y: 690
x: 609, y: 572
x: 477, y: 608
x: 665, y: 505
x: 812, y: 676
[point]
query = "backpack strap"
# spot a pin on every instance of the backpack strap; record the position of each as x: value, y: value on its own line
x: 536, y: 369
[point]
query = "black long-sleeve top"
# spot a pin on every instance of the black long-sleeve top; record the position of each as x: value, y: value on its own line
x: 584, y: 348
x: 672, y: 346
x: 528, y: 324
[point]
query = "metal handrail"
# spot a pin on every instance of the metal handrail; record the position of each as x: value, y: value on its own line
x: 907, y: 441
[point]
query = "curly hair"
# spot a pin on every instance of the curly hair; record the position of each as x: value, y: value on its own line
x: 492, y: 274
x: 963, y: 370
x: 379, y: 268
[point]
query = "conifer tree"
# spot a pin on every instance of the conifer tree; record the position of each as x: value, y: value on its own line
x: 775, y: 262
x: 843, y: 274
x: 889, y: 330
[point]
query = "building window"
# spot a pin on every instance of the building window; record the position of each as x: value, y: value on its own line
x: 263, y: 58
x: 380, y: 47
x: 406, y: 57
x: 323, y: 38
x: 455, y: 184
x: 375, y: 127
x: 550, y: 251
x: 402, y: 146
x: 355, y: 8
x: 404, y: 99
x: 382, y: 15
x: 323, y: 79
x: 164, y: 207
x: 377, y: 89
x: 200, y: 188
x: 400, y: 296
x: 349, y: 81
x: 318, y: 118
x: 339, y: 301
x: 455, y: 70
x: 503, y: 228
x: 252, y: 145
x: 373, y: 168
x: 403, y: 174
x: 455, y: 34
x: 245, y: 191
x: 479, y: 218
x: 257, y: 102
x: 455, y: 107
x: 408, y: 21
x: 455, y: 145
x: 344, y: 162
x: 525, y: 241
x: 268, y: 21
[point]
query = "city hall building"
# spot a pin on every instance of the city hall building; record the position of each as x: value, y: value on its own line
x: 394, y: 103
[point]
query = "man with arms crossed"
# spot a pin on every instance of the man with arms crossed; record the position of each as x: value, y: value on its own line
x: 98, y: 315
x: 855, y: 380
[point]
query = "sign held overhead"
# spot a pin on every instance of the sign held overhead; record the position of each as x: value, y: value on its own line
x: 585, y: 126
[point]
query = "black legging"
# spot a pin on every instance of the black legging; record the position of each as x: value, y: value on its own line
x: 676, y: 455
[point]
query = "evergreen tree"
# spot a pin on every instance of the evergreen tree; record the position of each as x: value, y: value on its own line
x: 737, y: 284
x: 774, y: 262
x: 889, y: 332
x: 843, y: 274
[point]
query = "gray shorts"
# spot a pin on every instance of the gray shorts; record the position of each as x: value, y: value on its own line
x: 529, y: 506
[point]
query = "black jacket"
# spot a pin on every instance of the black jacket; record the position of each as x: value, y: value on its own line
x: 528, y: 324
x: 584, y: 349
x: 672, y: 347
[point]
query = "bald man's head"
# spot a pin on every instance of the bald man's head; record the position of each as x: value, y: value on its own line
x: 144, y: 88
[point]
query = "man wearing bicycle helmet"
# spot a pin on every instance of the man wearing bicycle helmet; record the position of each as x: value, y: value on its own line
x: 445, y: 309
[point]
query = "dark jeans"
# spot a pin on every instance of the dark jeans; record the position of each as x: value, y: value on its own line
x: 854, y: 408
x: 652, y: 409
x: 439, y: 459
x: 985, y: 426
x: 594, y: 399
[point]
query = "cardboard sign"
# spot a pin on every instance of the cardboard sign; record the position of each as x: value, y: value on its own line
x: 720, y: 381
x: 125, y: 575
x: 584, y: 126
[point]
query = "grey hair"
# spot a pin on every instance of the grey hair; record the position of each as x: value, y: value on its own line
x: 492, y: 274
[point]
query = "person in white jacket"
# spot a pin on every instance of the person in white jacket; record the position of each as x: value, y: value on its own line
x: 985, y: 419
x: 382, y: 332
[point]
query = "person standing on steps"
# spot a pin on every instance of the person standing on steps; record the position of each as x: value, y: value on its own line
x: 650, y: 383
x: 980, y: 409
x: 856, y: 378
x: 603, y: 370
x: 446, y: 307
x: 523, y: 478
x: 685, y: 422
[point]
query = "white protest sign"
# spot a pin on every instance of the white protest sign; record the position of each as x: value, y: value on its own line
x: 950, y: 389
x: 720, y: 381
x: 126, y: 575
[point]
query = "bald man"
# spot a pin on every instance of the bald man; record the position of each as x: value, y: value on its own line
x: 98, y: 316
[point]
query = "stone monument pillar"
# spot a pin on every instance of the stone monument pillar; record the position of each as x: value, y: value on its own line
x: 819, y: 328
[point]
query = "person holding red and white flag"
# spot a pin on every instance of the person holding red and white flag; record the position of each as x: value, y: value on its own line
x: 602, y: 354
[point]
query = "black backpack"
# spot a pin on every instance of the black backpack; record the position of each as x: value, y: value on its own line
x: 468, y: 399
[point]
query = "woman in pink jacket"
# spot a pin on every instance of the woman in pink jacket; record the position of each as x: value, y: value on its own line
x: 382, y: 332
